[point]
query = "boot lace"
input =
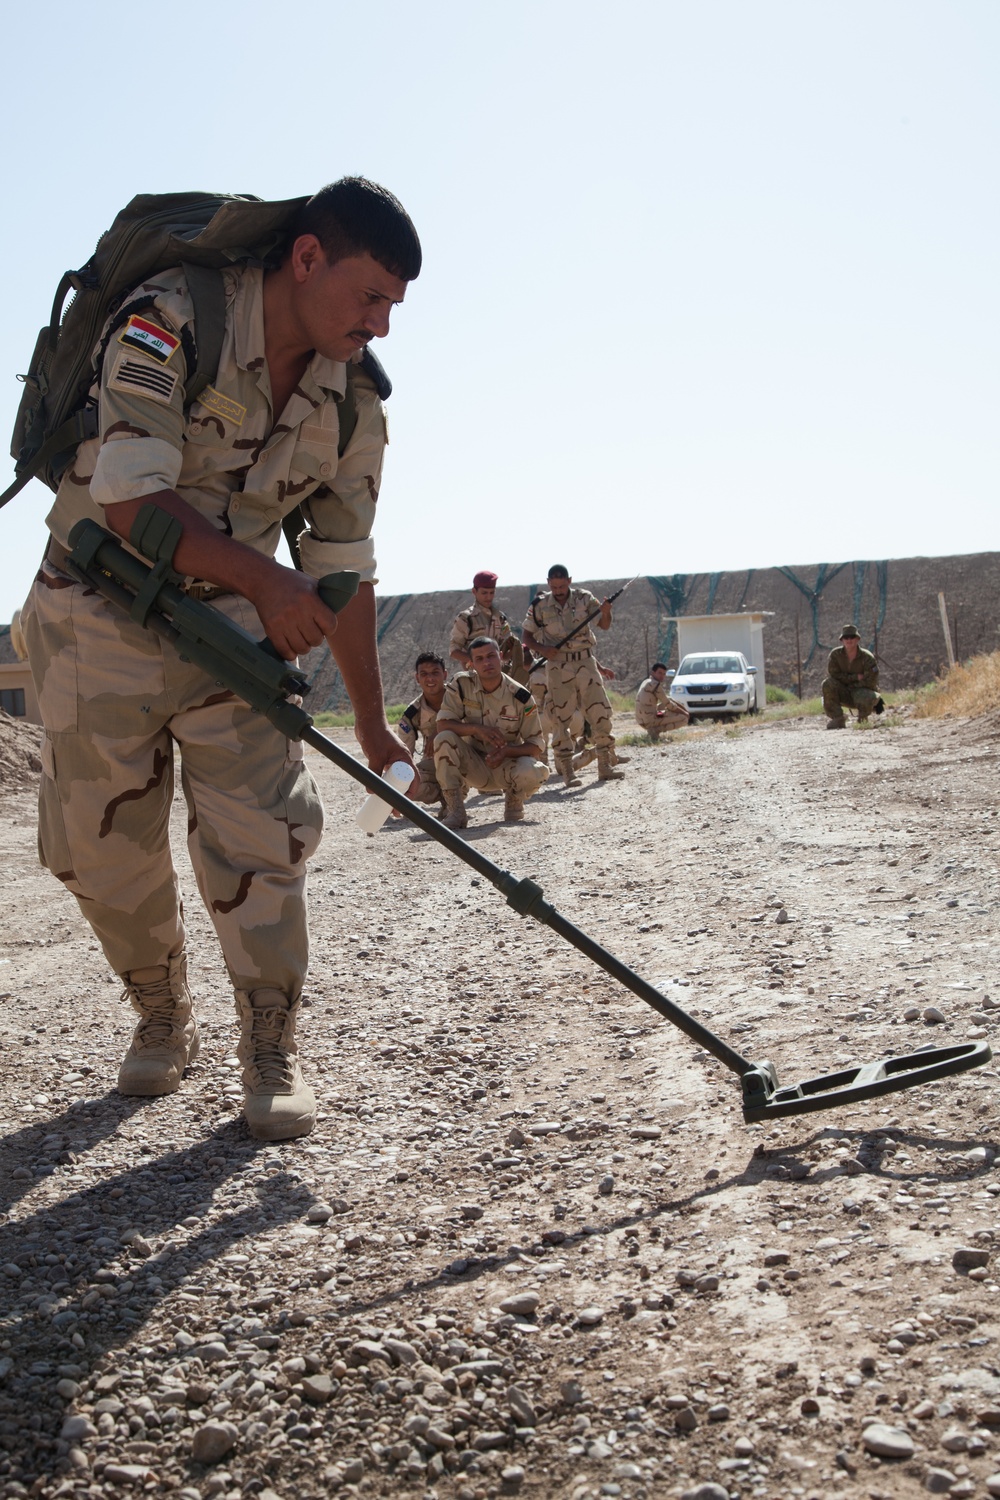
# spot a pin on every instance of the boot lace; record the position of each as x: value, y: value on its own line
x: 271, y: 1060
x: 158, y: 1020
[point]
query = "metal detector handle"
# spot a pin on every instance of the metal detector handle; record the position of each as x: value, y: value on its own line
x: 336, y: 591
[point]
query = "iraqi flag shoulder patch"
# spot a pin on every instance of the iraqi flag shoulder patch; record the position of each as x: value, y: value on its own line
x: 139, y: 333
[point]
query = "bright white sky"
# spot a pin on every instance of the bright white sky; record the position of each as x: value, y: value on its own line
x: 707, y: 285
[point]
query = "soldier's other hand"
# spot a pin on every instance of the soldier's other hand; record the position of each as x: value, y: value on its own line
x: 606, y: 673
x: 294, y: 617
x: 495, y: 756
x: 381, y: 748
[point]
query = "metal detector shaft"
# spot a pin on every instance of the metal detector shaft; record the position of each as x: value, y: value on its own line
x: 527, y: 899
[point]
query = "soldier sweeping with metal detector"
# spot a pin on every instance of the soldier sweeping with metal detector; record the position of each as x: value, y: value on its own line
x: 237, y: 662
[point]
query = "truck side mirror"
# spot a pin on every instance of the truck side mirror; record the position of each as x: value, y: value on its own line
x: 671, y: 671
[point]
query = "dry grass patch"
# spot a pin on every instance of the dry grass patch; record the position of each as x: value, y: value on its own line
x: 967, y: 690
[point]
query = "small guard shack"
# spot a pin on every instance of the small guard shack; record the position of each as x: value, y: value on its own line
x: 17, y: 691
x: 743, y: 632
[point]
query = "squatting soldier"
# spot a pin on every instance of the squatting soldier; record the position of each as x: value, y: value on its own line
x: 573, y: 677
x: 116, y: 699
x: 419, y: 721
x: 851, y: 680
x: 655, y: 710
x: 488, y: 736
x: 483, y: 617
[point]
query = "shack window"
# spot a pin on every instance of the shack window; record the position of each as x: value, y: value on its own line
x: 12, y: 702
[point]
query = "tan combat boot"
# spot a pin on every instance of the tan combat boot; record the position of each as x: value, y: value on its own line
x: 585, y: 757
x: 278, y: 1104
x: 619, y: 760
x: 840, y: 723
x: 166, y: 1038
x: 513, y: 807
x: 605, y: 767
x: 454, y: 815
x: 564, y: 768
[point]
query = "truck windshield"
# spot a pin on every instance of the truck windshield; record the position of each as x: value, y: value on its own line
x: 699, y: 666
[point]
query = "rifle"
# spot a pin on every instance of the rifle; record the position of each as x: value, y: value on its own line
x: 254, y: 671
x: 593, y: 615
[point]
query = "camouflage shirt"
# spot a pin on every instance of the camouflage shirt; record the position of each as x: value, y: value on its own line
x: 509, y: 708
x: 235, y: 462
x: 548, y: 621
x: 419, y: 719
x: 651, y: 695
x: 478, y: 621
x: 862, y: 672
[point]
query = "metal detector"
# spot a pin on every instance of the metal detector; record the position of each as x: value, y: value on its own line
x: 255, y: 672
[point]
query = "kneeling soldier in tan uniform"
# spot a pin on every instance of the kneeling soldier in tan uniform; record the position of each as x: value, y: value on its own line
x: 655, y: 711
x: 488, y: 736
x: 574, y: 679
x: 419, y: 722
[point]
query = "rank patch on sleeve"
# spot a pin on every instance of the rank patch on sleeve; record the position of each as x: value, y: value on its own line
x: 222, y: 406
x: 156, y: 342
x: 138, y: 377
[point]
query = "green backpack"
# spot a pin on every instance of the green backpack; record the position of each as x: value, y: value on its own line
x: 202, y: 233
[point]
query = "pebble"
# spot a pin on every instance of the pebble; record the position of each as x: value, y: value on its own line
x: 782, y: 916
x: 317, y: 1388
x: 978, y: 1157
x: 354, y: 1471
x: 938, y: 1481
x: 213, y: 1441
x: 471, y: 1211
x: 512, y: 1476
x: 719, y: 1412
x: 887, y: 1442
x: 589, y: 1317
x: 966, y: 1257
x: 993, y: 1484
x: 606, y: 1186
x: 521, y: 1408
x: 933, y: 1015
x: 76, y: 1428
x: 522, y: 1305
x: 743, y: 1447
x: 685, y: 1419
x: 127, y: 1474
x: 571, y: 1392
x: 776, y: 1257
x: 319, y: 1213
x: 911, y: 1013
x: 709, y: 1491
x: 954, y: 1440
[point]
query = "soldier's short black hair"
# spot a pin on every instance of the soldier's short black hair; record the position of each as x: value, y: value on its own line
x: 657, y: 665
x: 354, y: 217
x: 429, y: 656
x: 557, y: 571
x: 481, y: 640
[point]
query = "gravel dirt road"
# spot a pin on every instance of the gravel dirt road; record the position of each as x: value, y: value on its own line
x: 531, y: 1247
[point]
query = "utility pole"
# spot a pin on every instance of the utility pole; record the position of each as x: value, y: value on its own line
x: 947, y: 632
x: 798, y: 654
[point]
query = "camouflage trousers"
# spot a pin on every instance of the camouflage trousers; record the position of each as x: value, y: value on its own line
x: 460, y: 763
x: 837, y: 697
x: 429, y: 792
x: 655, y: 724
x: 574, y: 685
x: 117, y: 704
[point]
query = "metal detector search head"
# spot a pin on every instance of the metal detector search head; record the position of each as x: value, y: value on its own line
x: 764, y: 1099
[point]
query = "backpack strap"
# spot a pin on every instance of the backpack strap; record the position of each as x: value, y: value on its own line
x: 208, y: 298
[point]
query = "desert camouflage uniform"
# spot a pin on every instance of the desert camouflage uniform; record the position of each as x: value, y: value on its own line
x: 115, y: 699
x: 417, y: 724
x: 461, y: 761
x: 850, y: 684
x: 574, y: 682
x: 494, y: 623
x: 653, y: 695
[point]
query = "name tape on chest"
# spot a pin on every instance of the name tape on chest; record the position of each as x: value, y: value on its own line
x: 156, y: 342
x: 222, y: 406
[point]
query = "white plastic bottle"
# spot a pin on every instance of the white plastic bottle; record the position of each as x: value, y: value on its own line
x: 374, y: 810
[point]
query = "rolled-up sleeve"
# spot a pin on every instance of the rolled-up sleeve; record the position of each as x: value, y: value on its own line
x: 341, y: 513
x: 141, y: 421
